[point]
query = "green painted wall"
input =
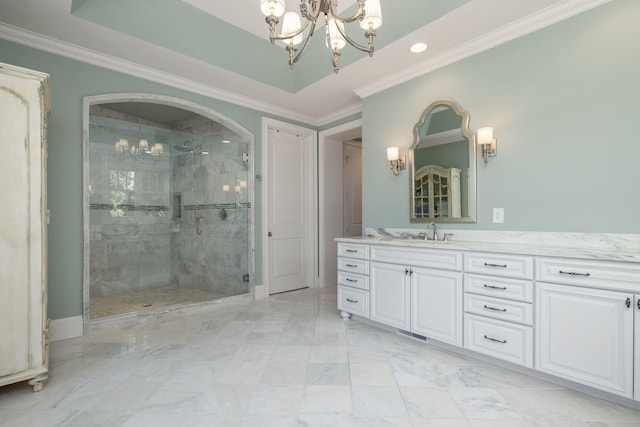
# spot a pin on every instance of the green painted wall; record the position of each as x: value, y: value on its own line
x: 564, y: 102
x: 70, y: 82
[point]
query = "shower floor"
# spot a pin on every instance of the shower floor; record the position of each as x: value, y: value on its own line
x: 147, y: 299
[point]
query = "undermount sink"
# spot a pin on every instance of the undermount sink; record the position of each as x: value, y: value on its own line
x: 424, y: 242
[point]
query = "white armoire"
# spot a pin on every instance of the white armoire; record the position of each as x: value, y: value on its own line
x: 24, y: 106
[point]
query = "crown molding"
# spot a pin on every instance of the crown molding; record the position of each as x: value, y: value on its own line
x: 88, y: 56
x: 519, y: 28
x: 340, y: 114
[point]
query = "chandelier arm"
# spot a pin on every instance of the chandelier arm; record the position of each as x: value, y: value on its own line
x: 357, y: 45
x: 304, y: 11
x: 286, y: 36
x: 347, y: 19
x: 304, y: 45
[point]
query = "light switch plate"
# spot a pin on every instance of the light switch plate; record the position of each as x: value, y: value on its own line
x: 498, y: 215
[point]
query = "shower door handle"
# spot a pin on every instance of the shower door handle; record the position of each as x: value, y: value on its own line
x: 199, y: 224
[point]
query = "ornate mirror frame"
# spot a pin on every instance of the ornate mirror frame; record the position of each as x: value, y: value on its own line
x: 468, y: 176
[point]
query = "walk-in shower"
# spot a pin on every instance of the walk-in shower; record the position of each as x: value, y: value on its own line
x: 168, y: 206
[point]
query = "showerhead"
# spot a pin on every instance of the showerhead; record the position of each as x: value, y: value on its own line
x: 185, y: 147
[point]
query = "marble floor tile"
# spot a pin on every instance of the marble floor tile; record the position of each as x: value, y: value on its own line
x: 328, y: 374
x: 284, y: 373
x: 323, y: 399
x: 484, y: 403
x: 288, y: 360
x: 428, y: 403
x: 290, y: 353
x: 369, y: 401
x: 241, y: 373
x: 329, y: 354
x: 379, y: 374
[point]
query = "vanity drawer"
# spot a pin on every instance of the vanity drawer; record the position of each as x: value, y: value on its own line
x: 353, y: 265
x: 599, y: 274
x: 515, y: 289
x: 418, y: 257
x: 512, y: 311
x: 353, y: 280
x: 502, y: 340
x: 353, y: 250
x: 354, y: 301
x: 517, y: 266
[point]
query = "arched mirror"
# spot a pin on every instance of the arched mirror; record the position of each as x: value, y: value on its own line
x: 442, y: 163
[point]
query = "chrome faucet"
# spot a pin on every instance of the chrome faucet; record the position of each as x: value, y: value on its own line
x: 434, y: 234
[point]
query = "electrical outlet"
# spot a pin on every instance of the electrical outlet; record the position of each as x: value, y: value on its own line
x: 498, y: 215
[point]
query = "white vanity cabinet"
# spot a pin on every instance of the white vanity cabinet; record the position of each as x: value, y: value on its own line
x: 636, y: 351
x: 498, y: 305
x: 585, y: 322
x: 418, y: 290
x: 390, y: 294
x: 24, y: 106
x: 353, y: 279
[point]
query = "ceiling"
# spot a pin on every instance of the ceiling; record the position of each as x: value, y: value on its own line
x: 220, y: 48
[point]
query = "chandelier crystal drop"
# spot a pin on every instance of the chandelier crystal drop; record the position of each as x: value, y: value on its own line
x: 295, y: 33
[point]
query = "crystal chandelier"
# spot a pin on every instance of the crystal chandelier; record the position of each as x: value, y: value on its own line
x: 293, y: 32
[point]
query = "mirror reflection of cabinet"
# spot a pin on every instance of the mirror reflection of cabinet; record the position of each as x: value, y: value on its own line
x: 437, y: 192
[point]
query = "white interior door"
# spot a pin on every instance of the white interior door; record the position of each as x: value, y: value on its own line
x: 352, y: 188
x: 14, y: 235
x: 290, y: 198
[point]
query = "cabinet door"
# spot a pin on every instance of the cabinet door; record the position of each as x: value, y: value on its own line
x: 436, y: 304
x: 389, y: 293
x: 586, y: 335
x: 637, y: 349
x: 15, y: 230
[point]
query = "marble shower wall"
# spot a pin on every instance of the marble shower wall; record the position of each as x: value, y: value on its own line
x: 138, y: 238
x: 209, y: 248
x: 128, y: 208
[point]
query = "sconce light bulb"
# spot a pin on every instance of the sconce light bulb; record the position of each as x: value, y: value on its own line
x: 485, y: 135
x: 392, y: 154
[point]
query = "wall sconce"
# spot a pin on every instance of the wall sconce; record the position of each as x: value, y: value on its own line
x: 488, y: 142
x: 397, y: 162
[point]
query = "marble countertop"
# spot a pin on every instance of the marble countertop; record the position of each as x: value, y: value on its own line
x: 608, y: 254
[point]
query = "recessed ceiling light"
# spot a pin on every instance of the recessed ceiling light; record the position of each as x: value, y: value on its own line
x: 226, y: 141
x: 418, y: 47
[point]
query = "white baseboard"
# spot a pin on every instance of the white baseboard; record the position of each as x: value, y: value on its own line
x: 68, y: 327
x: 259, y: 292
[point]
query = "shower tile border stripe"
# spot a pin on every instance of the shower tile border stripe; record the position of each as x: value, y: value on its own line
x: 157, y: 208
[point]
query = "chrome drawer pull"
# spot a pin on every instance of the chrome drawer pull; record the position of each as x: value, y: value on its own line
x: 573, y: 273
x: 350, y: 300
x: 351, y: 250
x: 495, y: 265
x: 495, y: 340
x: 502, y: 288
x: 495, y: 309
x: 351, y: 265
x: 351, y: 280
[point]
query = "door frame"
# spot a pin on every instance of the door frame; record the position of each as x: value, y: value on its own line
x: 310, y: 138
x: 324, y: 164
x: 345, y: 205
